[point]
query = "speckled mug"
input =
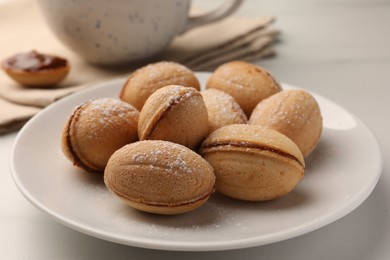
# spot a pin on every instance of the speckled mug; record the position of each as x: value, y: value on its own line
x: 113, y: 32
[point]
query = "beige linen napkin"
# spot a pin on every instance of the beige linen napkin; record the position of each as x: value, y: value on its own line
x: 201, y: 49
x: 204, y: 48
x: 13, y: 116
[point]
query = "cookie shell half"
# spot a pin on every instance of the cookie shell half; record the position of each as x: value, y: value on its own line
x: 295, y: 113
x: 222, y: 109
x: 247, y: 83
x: 146, y: 80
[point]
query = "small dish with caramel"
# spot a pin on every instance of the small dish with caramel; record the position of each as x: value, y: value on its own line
x: 36, y: 69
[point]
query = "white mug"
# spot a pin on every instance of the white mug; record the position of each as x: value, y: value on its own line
x: 115, y: 32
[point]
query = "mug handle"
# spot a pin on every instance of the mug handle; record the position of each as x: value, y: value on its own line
x: 221, y: 12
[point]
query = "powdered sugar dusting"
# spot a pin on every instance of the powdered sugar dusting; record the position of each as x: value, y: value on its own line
x: 292, y: 108
x: 174, y: 93
x: 222, y: 109
x: 102, y: 113
x: 219, y: 217
x: 109, y: 106
x: 168, y: 155
x: 163, y: 73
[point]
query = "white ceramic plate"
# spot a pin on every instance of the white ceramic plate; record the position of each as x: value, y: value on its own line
x: 340, y: 174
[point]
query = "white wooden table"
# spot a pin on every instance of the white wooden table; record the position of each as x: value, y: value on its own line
x: 339, y: 49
